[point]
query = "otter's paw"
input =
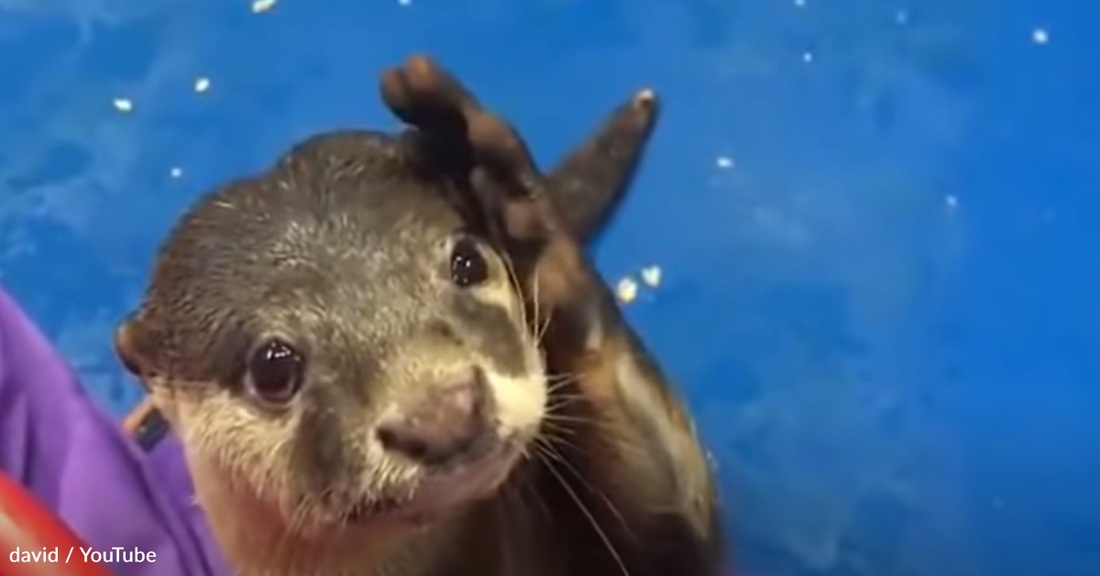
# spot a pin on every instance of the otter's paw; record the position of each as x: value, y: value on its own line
x: 509, y: 189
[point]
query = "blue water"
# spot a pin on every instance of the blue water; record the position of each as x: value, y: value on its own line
x: 880, y: 288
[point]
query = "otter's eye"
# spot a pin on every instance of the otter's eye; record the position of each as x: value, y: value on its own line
x: 468, y: 265
x: 275, y: 371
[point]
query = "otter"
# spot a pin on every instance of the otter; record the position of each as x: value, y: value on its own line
x: 389, y: 356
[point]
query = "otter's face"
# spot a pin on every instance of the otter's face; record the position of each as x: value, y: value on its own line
x: 335, y: 346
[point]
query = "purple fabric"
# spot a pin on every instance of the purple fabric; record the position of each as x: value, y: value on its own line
x: 77, y: 461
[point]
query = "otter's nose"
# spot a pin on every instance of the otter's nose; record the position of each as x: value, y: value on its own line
x: 443, y: 425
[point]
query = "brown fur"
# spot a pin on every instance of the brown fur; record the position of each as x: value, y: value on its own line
x: 614, y: 483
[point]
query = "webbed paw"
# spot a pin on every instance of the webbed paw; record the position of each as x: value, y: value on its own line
x: 503, y: 177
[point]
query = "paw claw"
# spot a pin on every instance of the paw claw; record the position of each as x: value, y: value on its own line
x: 645, y: 98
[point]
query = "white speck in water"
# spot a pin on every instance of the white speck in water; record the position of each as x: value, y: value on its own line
x: 405, y: 2
x: 651, y: 275
x: 626, y: 290
x: 202, y: 84
x: 724, y: 162
x: 901, y: 17
x: 124, y: 104
x: 1040, y: 36
x: 807, y: 56
x: 261, y: 6
x: 176, y: 172
x: 951, y: 201
x: 799, y: 3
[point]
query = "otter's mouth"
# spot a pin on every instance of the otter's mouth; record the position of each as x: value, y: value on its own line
x: 441, y: 491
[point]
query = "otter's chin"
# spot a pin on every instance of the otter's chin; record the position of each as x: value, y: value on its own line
x: 441, y: 492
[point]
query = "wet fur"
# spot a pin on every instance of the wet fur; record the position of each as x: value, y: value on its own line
x: 616, y: 482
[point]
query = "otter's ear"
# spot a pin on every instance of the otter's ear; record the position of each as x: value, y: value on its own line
x: 133, y: 345
x: 588, y: 184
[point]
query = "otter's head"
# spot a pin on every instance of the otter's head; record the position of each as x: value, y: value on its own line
x: 337, y: 347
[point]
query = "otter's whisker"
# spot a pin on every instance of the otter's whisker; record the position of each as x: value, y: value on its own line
x: 544, y: 323
x: 513, y: 279
x: 556, y: 429
x: 561, y: 401
x: 556, y: 383
x: 524, y: 484
x: 591, y: 488
x: 571, y: 419
x: 556, y: 389
x: 587, y: 513
x: 562, y: 378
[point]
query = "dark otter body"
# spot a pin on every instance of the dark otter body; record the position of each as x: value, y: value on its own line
x: 387, y: 356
